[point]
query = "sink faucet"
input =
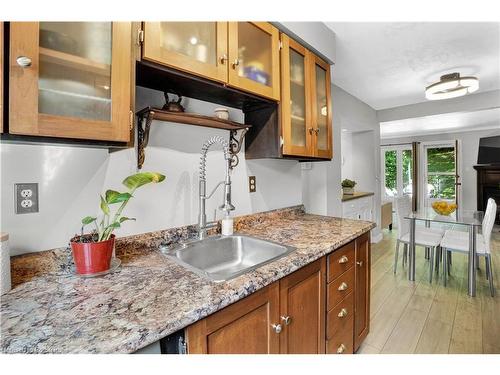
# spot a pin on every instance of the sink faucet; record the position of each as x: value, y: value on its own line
x: 226, y: 206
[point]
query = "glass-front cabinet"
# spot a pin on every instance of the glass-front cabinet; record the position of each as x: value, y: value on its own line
x: 254, y: 58
x: 306, y: 102
x: 194, y: 47
x: 321, y: 108
x: 70, y: 80
x: 244, y: 55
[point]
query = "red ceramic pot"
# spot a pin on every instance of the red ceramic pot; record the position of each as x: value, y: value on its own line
x: 93, y: 257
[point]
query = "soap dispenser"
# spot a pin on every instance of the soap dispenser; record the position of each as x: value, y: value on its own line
x: 227, y: 225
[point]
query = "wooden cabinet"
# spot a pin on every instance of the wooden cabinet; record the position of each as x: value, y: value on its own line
x: 362, y: 290
x: 302, y: 310
x: 320, y: 308
x: 244, y: 55
x: 306, y: 112
x: 244, y: 327
x: 195, y: 47
x: 70, y: 80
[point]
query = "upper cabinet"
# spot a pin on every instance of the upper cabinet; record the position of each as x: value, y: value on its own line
x: 1, y: 77
x: 254, y: 58
x: 306, y: 113
x: 70, y: 80
x: 194, y: 47
x: 244, y: 55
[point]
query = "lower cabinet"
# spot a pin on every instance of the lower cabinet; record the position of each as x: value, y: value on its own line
x: 321, y: 308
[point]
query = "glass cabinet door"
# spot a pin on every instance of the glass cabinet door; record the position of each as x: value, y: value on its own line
x: 322, y: 116
x: 71, y: 79
x: 295, y: 105
x: 196, y: 47
x: 254, y: 58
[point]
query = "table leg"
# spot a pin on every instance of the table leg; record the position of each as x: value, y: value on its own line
x: 472, y: 261
x: 411, y: 264
x: 427, y: 249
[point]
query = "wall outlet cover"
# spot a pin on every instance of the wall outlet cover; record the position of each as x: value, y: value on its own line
x: 252, y: 184
x: 26, y: 198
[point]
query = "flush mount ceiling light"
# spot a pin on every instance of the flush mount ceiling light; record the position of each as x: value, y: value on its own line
x: 451, y: 86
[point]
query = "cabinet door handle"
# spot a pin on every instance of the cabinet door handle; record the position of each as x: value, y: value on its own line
x: 341, y: 349
x: 223, y: 59
x: 236, y: 63
x: 317, y: 131
x: 286, y: 319
x: 277, y: 328
x: 343, y: 259
x: 23, y: 61
x: 343, y: 286
x: 311, y: 130
x: 360, y: 263
x: 343, y: 313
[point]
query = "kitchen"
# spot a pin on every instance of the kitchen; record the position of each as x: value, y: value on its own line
x: 227, y: 130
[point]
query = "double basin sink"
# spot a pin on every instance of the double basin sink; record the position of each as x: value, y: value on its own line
x: 221, y: 258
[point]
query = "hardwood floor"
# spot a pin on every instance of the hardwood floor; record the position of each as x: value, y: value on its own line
x: 420, y: 317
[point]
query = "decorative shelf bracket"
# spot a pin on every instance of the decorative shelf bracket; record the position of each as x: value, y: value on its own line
x: 146, y: 116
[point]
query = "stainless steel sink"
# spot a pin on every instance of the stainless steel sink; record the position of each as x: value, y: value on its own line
x: 221, y: 258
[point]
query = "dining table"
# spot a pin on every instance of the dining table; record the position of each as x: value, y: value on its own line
x: 470, y: 219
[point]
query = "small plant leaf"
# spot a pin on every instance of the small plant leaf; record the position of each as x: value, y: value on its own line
x: 113, y: 196
x: 123, y: 218
x: 139, y: 179
x: 116, y: 224
x: 104, y: 206
x: 88, y: 220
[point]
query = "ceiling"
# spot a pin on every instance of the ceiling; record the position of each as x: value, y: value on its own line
x: 444, y: 123
x: 389, y: 64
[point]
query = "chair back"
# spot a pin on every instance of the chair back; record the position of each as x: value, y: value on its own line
x: 403, y: 208
x: 488, y: 222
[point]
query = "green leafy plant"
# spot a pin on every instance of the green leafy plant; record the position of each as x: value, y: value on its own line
x: 108, y: 221
x: 348, y: 183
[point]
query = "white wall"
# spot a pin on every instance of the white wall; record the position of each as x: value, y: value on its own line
x: 468, y: 144
x: 71, y: 178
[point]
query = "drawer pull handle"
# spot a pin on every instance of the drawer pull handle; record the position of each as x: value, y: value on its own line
x: 276, y: 328
x: 360, y: 263
x: 286, y: 319
x: 343, y: 286
x: 343, y: 259
x: 341, y: 349
x: 342, y: 313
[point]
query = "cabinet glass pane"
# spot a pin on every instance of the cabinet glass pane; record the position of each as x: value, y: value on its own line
x: 321, y: 108
x: 254, y: 54
x: 196, y: 40
x: 297, y: 98
x: 75, y: 69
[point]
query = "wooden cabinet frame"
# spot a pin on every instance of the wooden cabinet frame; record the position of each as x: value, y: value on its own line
x: 1, y: 77
x: 152, y: 51
x: 243, y: 83
x: 288, y: 147
x: 23, y: 90
x: 362, y: 289
x: 321, y: 153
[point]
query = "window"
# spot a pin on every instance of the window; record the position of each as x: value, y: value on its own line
x: 397, y: 171
x: 441, y: 172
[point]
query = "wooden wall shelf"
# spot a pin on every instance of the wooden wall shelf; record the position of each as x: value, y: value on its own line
x: 149, y: 114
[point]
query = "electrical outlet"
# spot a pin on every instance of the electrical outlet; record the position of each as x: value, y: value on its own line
x: 252, y: 184
x: 26, y: 198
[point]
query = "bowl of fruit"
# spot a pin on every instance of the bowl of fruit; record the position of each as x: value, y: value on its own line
x: 444, y: 208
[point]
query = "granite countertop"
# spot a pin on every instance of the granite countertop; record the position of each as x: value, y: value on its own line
x: 356, y: 195
x: 151, y: 296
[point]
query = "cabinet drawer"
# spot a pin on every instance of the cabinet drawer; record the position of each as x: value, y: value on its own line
x: 340, y: 261
x: 339, y: 288
x: 342, y: 341
x: 340, y: 316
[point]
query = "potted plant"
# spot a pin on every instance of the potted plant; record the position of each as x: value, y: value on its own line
x: 92, y: 252
x: 348, y: 186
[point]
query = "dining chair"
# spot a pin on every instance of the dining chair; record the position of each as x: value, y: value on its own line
x: 456, y: 241
x: 429, y: 238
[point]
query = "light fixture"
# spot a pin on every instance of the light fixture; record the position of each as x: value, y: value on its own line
x: 193, y: 40
x: 451, y: 86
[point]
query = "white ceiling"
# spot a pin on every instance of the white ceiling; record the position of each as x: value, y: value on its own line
x: 444, y: 123
x: 389, y: 64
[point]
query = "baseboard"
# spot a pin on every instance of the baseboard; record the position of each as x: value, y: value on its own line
x: 376, y: 238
